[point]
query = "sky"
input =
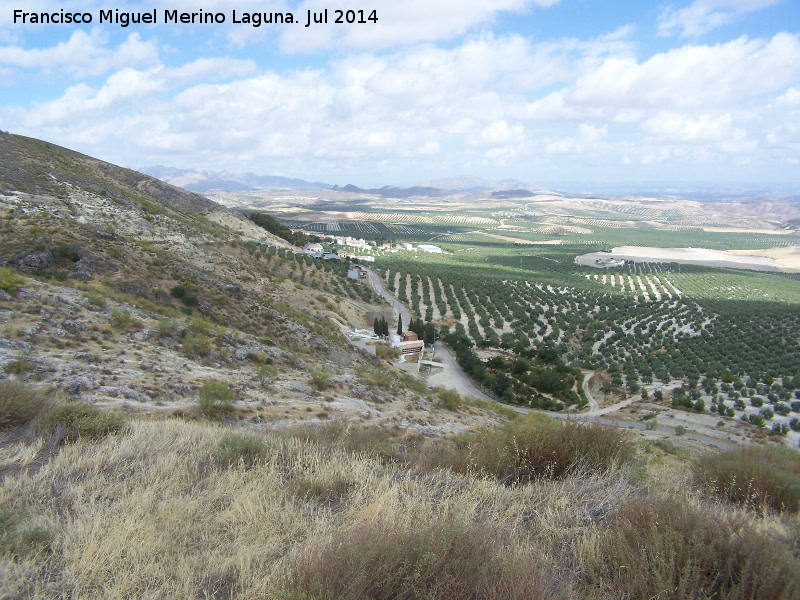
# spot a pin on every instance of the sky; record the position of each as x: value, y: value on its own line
x: 538, y: 90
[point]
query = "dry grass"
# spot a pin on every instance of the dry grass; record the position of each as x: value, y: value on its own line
x: 74, y: 420
x: 447, y: 559
x: 674, y: 547
x: 174, y: 509
x: 757, y: 476
x: 540, y: 447
x: 19, y: 403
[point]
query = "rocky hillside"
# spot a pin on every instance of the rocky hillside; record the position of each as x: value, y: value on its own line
x: 124, y: 291
x: 36, y: 167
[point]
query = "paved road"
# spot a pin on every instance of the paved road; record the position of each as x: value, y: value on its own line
x: 464, y: 385
x: 458, y: 379
x: 399, y: 309
x: 593, y: 406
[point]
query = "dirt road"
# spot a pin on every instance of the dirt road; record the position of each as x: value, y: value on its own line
x: 453, y: 377
x: 399, y: 309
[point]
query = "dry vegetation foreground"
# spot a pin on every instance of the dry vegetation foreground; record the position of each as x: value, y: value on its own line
x: 98, y: 508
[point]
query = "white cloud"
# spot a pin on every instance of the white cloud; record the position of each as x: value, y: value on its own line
x: 83, y: 55
x: 399, y: 23
x: 488, y: 102
x: 674, y: 127
x: 691, y: 76
x: 588, y: 137
x: 790, y: 98
x: 704, y: 15
x: 498, y: 133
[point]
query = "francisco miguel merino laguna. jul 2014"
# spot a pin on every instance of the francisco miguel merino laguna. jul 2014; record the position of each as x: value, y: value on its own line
x: 256, y: 19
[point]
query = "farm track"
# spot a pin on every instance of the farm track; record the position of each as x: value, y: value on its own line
x: 462, y: 383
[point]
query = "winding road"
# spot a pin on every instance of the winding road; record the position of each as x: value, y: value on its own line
x: 399, y: 309
x: 464, y: 385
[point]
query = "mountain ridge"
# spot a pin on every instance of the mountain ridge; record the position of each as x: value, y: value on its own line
x: 201, y: 180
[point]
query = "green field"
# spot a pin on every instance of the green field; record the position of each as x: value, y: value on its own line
x: 535, y: 303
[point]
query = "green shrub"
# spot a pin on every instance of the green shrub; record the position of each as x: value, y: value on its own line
x: 121, y: 317
x: 216, y: 399
x: 186, y: 296
x: 449, y: 399
x: 19, y: 403
x: 779, y: 429
x: 169, y: 328
x: 670, y: 548
x: 383, y: 380
x: 266, y: 373
x: 198, y: 345
x: 80, y: 420
x: 385, y: 352
x: 18, y: 366
x: 756, y: 476
x: 10, y: 282
x: 96, y: 300
x: 65, y: 253
x: 244, y: 448
x: 320, y: 379
x: 680, y: 430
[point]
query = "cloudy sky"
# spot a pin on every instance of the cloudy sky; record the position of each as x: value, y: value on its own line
x: 540, y: 90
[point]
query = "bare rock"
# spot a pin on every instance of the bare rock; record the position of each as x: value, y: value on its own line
x: 75, y: 385
x: 74, y: 325
x: 143, y: 335
x: 36, y: 261
x: 338, y: 357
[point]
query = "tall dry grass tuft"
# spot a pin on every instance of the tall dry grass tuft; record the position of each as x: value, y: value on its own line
x: 19, y: 403
x: 672, y: 547
x: 368, y: 440
x: 73, y: 420
x: 540, y: 447
x: 446, y: 560
x: 756, y: 476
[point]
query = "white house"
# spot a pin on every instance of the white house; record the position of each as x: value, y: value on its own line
x: 404, y: 344
x: 312, y: 248
x: 429, y: 248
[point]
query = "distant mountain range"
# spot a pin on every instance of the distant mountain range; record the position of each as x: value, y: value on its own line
x: 391, y: 191
x: 471, y: 183
x: 199, y: 180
